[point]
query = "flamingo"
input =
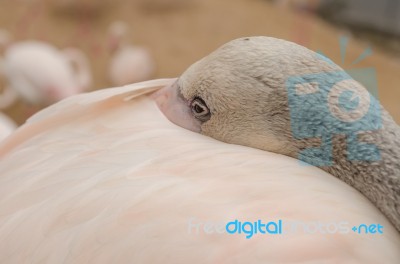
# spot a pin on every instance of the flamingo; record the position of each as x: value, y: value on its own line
x: 105, y: 177
x: 129, y: 64
x: 278, y: 96
x: 7, y: 126
x: 41, y: 74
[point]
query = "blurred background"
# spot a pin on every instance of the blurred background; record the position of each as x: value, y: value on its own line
x: 51, y: 49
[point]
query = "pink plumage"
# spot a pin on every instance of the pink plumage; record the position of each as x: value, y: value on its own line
x: 105, y: 177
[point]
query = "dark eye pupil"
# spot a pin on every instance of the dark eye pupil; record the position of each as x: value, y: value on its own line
x: 198, y: 109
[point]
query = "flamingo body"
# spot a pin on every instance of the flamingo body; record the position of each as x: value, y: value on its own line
x: 7, y: 126
x: 105, y: 177
x: 131, y: 64
x: 40, y: 73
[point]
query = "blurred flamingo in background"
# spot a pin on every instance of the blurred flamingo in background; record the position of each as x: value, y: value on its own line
x: 129, y: 64
x: 40, y: 73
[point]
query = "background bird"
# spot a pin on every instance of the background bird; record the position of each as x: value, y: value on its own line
x: 41, y: 74
x: 129, y: 64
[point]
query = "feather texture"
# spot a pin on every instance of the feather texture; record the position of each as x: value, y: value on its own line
x: 99, y: 179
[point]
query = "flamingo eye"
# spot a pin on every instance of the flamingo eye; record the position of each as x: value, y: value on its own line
x: 200, y: 110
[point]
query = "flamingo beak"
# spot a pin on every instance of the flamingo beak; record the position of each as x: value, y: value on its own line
x: 176, y: 108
